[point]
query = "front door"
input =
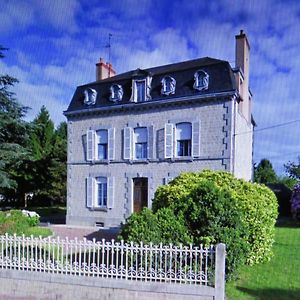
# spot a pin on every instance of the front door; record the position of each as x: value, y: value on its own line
x: 140, y: 194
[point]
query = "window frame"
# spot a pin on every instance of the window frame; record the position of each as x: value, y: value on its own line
x: 205, y: 81
x: 101, y: 182
x: 172, y: 89
x: 183, y: 142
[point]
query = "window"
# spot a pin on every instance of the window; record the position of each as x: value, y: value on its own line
x: 116, y: 93
x: 201, y: 80
x: 168, y: 86
x: 140, y: 143
x: 141, y: 89
x: 90, y: 96
x: 102, y: 144
x: 101, y: 191
x: 183, y: 139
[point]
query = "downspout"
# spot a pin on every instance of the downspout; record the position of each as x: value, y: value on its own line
x: 234, y: 133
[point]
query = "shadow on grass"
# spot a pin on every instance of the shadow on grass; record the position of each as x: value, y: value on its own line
x: 287, y: 222
x: 272, y: 294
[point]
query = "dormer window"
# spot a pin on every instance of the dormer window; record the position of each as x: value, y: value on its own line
x: 168, y: 86
x: 201, y: 80
x: 116, y: 93
x: 141, y: 90
x: 90, y: 96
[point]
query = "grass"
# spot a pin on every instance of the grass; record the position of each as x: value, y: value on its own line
x: 278, y: 279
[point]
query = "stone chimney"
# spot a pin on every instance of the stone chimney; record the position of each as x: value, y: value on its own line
x: 104, y: 70
x: 242, y: 60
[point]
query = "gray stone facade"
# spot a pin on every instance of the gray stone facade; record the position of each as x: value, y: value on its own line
x: 216, y: 140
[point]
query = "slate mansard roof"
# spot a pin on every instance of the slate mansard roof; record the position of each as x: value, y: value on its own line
x: 221, y: 81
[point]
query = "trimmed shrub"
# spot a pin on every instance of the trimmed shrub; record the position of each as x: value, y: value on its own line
x: 161, y: 227
x: 256, y: 204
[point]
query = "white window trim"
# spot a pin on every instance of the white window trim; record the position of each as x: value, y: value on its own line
x: 170, y: 148
x: 92, y: 193
x: 91, y: 145
x: 147, y: 80
x: 196, y: 85
x: 116, y: 97
x: 164, y: 90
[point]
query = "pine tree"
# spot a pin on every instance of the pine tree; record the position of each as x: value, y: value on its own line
x: 264, y: 172
x: 13, y: 133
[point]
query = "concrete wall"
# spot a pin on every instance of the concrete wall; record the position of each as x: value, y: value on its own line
x: 215, y: 133
x: 42, y: 286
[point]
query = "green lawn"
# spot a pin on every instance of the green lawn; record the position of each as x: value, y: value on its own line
x: 278, y: 279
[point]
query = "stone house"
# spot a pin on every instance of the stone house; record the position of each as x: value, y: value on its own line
x: 132, y: 132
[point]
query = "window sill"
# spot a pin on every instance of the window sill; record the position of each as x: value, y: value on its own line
x: 182, y: 158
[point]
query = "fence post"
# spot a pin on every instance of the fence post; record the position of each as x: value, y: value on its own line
x: 220, y: 272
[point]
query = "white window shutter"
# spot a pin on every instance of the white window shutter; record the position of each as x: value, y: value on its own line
x: 196, y: 139
x: 150, y: 142
x: 167, y: 180
x: 111, y: 143
x: 169, y: 140
x: 90, y: 145
x: 110, y: 192
x: 90, y: 192
x: 127, y: 143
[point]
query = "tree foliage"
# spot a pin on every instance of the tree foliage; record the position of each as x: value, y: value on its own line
x: 293, y: 169
x: 264, y: 172
x: 13, y: 132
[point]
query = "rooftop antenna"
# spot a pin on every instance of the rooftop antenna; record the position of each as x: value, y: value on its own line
x: 109, y: 47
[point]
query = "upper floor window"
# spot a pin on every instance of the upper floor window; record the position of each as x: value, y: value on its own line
x: 183, y: 139
x: 90, y: 96
x: 140, y: 142
x: 102, y: 143
x: 116, y: 93
x: 168, y: 85
x: 141, y: 89
x: 201, y: 80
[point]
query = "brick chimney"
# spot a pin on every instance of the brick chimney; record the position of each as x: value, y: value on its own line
x: 104, y: 70
x: 242, y: 60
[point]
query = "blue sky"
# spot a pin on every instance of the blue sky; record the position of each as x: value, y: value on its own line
x: 54, y: 45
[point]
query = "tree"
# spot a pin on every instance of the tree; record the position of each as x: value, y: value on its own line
x: 48, y: 148
x: 264, y: 172
x: 13, y: 133
x: 293, y: 169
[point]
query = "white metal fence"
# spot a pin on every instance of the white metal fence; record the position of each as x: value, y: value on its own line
x: 155, y: 263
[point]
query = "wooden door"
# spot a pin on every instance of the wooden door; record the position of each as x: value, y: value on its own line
x: 140, y: 194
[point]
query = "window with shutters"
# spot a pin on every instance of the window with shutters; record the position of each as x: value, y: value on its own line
x: 183, y: 139
x: 100, y: 144
x: 140, y: 143
x: 100, y: 192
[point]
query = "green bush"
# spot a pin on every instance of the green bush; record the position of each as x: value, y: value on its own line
x: 161, y: 227
x: 17, y: 222
x: 256, y: 203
